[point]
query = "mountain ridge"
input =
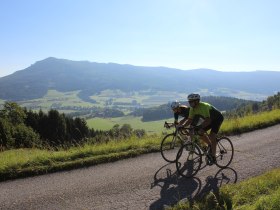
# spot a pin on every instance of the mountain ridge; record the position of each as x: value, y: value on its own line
x: 92, y: 77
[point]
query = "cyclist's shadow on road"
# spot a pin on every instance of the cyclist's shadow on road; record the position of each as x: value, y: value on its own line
x: 175, y: 188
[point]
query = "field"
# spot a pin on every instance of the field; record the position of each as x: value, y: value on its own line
x: 68, y: 102
x: 54, y: 99
x: 125, y: 101
x: 135, y: 122
x: 136, y: 98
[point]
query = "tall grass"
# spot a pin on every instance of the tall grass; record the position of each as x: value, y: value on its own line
x: 258, y: 193
x: 251, y: 122
x: 23, y: 162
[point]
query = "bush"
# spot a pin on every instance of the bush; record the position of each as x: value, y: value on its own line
x: 25, y: 137
x: 5, y: 133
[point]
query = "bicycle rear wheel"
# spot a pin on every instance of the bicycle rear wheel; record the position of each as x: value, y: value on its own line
x: 168, y: 144
x: 188, y: 160
x: 224, y: 153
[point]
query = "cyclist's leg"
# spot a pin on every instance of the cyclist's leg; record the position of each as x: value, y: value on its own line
x: 205, y: 138
x: 215, y: 127
x: 213, y: 137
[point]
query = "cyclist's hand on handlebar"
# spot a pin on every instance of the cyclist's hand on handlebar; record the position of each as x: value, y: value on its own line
x: 168, y: 125
x: 179, y: 126
x: 197, y: 128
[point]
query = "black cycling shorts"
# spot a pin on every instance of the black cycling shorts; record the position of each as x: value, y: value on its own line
x: 215, y: 125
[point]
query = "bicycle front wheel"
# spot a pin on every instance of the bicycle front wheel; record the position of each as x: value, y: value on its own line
x: 224, y: 153
x: 168, y: 144
x: 188, y: 160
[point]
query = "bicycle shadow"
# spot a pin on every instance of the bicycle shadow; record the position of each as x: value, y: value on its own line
x: 175, y: 188
x: 213, y: 184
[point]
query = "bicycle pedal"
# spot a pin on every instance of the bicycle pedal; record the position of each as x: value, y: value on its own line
x: 210, y: 160
x: 209, y: 163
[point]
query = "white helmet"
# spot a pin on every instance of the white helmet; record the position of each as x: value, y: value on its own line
x: 193, y: 97
x: 175, y: 104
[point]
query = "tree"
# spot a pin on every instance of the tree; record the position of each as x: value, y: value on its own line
x: 13, y: 131
x: 81, y: 128
x: 25, y: 137
x: 126, y: 130
x: 55, y: 129
x: 255, y: 107
x: 5, y: 133
x: 115, y: 131
x: 13, y: 113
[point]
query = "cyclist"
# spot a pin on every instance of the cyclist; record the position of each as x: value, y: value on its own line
x: 179, y: 110
x: 213, y: 119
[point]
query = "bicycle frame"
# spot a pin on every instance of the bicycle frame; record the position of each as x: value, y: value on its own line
x: 196, y: 140
x: 178, y: 131
x: 171, y: 141
x: 197, y: 151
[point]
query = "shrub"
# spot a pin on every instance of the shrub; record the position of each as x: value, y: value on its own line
x: 25, y: 137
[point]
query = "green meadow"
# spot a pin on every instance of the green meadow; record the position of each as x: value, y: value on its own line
x: 135, y: 122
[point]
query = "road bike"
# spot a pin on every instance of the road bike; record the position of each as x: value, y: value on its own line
x: 190, y: 155
x: 171, y: 141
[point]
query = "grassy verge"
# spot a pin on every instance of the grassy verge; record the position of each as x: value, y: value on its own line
x: 258, y: 193
x: 250, y: 122
x: 26, y: 162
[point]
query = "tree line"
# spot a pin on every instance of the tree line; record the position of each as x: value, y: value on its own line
x: 20, y: 128
x: 272, y: 102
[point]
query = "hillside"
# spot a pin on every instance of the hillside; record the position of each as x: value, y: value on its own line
x: 90, y: 78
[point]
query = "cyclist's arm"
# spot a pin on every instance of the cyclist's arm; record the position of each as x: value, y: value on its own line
x: 176, y: 117
x: 186, y: 122
x: 206, y: 122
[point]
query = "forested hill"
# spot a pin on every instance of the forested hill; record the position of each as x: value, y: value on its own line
x: 89, y: 77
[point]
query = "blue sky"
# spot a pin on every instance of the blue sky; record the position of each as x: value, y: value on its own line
x: 226, y: 35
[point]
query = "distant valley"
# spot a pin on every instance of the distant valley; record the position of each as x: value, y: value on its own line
x: 111, y: 84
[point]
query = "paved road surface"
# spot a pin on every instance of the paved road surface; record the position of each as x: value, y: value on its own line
x: 145, y: 182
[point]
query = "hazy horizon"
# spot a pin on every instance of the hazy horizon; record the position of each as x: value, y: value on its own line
x: 139, y: 65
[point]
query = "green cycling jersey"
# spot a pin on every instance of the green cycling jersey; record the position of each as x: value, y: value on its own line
x: 204, y: 110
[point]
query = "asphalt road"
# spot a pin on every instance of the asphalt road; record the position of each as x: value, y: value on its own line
x: 145, y: 182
